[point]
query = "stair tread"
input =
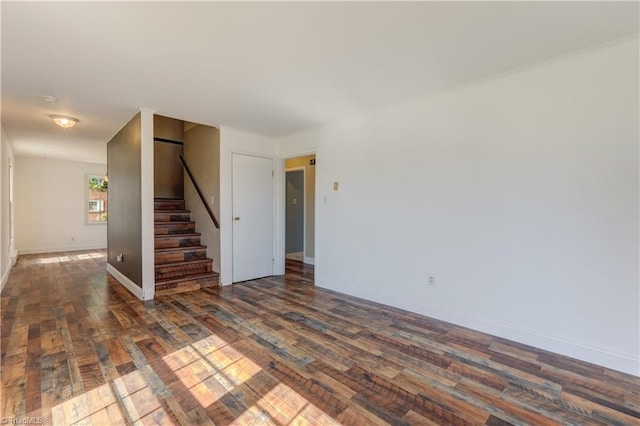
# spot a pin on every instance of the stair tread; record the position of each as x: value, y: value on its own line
x: 186, y: 262
x: 189, y: 234
x: 184, y: 248
x: 211, y: 274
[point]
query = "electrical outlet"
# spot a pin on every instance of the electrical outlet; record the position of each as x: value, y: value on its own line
x: 431, y: 280
x: 73, y: 238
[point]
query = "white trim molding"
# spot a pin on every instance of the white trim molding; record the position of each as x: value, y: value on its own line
x: 146, y: 200
x: 126, y: 282
x: 278, y: 216
x: 5, y: 276
x: 308, y: 260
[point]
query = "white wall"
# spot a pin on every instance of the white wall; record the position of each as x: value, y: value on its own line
x: 50, y: 206
x: 519, y: 193
x: 7, y: 249
x: 237, y: 141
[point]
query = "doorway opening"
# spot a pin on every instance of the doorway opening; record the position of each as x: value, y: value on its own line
x: 294, y: 215
x: 300, y: 185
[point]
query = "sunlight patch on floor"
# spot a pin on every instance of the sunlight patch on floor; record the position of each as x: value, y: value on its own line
x: 211, y: 370
x: 287, y: 407
x: 126, y: 400
x: 61, y: 259
x: 57, y: 259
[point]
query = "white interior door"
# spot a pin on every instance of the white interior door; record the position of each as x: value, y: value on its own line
x: 252, y: 217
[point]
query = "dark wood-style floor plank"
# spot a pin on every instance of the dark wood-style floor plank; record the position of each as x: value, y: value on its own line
x: 77, y: 347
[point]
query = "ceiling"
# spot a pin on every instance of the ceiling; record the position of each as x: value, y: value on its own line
x: 270, y: 68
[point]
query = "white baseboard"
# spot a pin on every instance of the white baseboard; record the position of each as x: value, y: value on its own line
x: 13, y: 254
x: 58, y: 249
x: 126, y: 282
x: 626, y: 363
x: 309, y: 260
x: 5, y: 276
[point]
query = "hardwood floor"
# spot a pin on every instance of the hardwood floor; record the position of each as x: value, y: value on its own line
x: 77, y: 347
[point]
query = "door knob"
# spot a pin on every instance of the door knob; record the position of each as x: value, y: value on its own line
x: 237, y: 218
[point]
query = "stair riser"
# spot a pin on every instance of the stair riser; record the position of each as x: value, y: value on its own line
x: 172, y: 217
x: 177, y: 242
x: 168, y: 204
x: 175, y: 228
x: 166, y: 272
x: 180, y: 256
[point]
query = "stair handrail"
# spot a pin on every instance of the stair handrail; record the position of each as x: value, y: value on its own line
x: 197, y: 187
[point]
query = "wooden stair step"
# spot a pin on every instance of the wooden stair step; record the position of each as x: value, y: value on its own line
x: 185, y: 263
x: 173, y: 222
x: 172, y: 216
x: 177, y: 240
x: 181, y: 269
x: 164, y: 228
x: 164, y: 281
x: 180, y: 254
x: 168, y: 204
x: 186, y: 283
x: 169, y: 236
x: 167, y: 249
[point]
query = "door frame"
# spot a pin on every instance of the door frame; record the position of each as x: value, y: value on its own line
x: 304, y: 206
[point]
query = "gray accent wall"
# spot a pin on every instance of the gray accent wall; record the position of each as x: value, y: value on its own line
x: 124, y: 229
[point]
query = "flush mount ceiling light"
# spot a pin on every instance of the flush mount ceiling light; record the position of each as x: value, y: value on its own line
x: 49, y: 99
x: 64, y: 121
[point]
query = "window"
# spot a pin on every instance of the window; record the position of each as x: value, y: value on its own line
x: 97, y: 188
x: 96, y: 206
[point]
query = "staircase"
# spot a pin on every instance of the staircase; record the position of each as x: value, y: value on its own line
x: 180, y: 259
